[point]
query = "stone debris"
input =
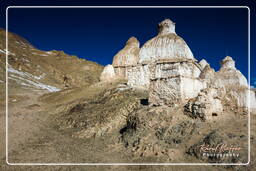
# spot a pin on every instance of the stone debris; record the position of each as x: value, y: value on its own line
x: 206, y: 105
x: 166, y: 68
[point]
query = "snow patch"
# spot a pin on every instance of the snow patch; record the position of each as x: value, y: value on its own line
x: 43, y: 55
x: 50, y: 53
x: 22, y: 78
x: 2, y: 51
x: 6, y: 52
x: 34, y: 53
x: 39, y: 54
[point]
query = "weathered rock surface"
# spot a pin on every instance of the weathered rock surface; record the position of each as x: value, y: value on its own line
x: 33, y: 69
x: 108, y: 73
x: 128, y: 56
x: 139, y: 76
x: 229, y: 75
x: 203, y: 63
x: 216, y: 145
x: 166, y: 67
x: 166, y: 45
x: 236, y: 84
x: 206, y: 105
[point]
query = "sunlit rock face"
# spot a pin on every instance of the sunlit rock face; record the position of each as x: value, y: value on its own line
x: 208, y: 75
x: 139, y: 76
x: 235, y: 84
x: 127, y: 57
x: 242, y: 97
x: 205, y: 106
x: 166, y: 67
x: 203, y: 63
x: 229, y: 75
x: 174, y: 82
x: 167, y: 45
x: 108, y: 74
x: 175, y: 75
x: 174, y: 90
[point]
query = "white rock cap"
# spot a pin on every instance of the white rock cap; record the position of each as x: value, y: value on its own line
x: 166, y: 27
x: 203, y: 63
x: 228, y: 63
x: 129, y: 55
x: 167, y: 45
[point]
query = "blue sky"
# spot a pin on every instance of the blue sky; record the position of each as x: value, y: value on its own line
x: 98, y: 34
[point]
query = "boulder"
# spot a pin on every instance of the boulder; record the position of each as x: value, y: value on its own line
x: 206, y: 105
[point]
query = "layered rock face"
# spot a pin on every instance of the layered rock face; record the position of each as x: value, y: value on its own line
x: 166, y: 67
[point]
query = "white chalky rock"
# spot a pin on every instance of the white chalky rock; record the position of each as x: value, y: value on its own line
x: 243, y: 97
x: 203, y: 63
x: 166, y: 67
x: 229, y: 75
x: 228, y: 63
x: 108, y: 73
x: 236, y: 84
x: 205, y: 106
x: 128, y: 56
x: 253, y: 100
x: 139, y: 76
x: 175, y: 75
x: 167, y: 45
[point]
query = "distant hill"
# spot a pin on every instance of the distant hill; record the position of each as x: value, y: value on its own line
x: 53, y: 70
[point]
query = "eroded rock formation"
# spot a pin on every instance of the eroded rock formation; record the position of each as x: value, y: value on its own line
x: 127, y: 57
x: 236, y: 84
x: 108, y: 73
x: 166, y: 67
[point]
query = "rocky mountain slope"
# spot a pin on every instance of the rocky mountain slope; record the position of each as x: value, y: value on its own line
x: 53, y: 70
x: 60, y: 112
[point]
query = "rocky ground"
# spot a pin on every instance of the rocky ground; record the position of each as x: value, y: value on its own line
x: 113, y: 123
x: 86, y: 121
